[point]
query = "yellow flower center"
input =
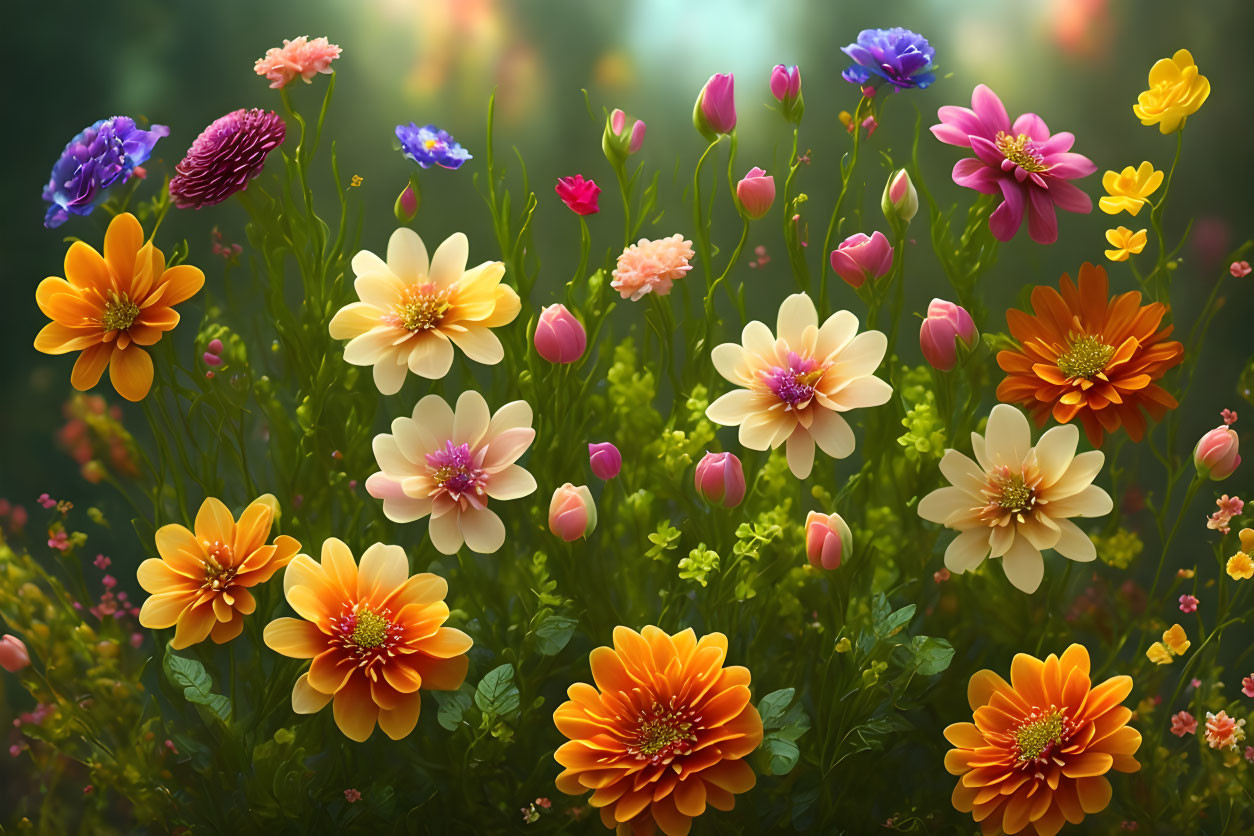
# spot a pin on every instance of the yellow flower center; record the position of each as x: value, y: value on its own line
x: 1021, y: 151
x: 663, y: 734
x: 371, y: 630
x: 422, y: 307
x: 1036, y: 738
x: 119, y: 313
x: 1086, y: 357
x: 219, y: 571
x: 1016, y: 495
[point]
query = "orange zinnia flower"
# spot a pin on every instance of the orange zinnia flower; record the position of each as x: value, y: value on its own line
x: 1039, y: 749
x: 663, y: 733
x: 107, y: 306
x: 375, y: 635
x: 201, y: 580
x: 1084, y: 354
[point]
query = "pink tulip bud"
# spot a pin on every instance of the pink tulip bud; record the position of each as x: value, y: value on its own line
x: 828, y: 540
x: 859, y: 258
x: 900, y: 200
x: 785, y: 82
x: 620, y: 140
x: 215, y: 346
x: 572, y: 513
x: 579, y: 195
x: 560, y: 337
x: 406, y: 207
x: 13, y: 654
x: 715, y: 110
x: 1215, y: 455
x: 720, y: 479
x: 605, y: 460
x: 946, y: 324
x: 755, y: 193
x: 211, y: 359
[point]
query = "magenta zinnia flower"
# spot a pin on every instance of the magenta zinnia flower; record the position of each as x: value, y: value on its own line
x: 1025, y: 163
x: 225, y: 156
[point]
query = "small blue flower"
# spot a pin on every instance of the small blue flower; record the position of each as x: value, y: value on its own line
x: 100, y: 156
x: 896, y: 56
x: 430, y: 146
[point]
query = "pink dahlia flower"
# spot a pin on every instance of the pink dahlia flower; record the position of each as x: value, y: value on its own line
x: 652, y: 266
x: 1027, y: 164
x: 299, y: 57
x: 225, y: 156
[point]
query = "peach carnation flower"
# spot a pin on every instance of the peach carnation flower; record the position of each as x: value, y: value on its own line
x: 651, y: 266
x: 413, y: 310
x: 1016, y: 500
x: 448, y: 464
x: 1222, y: 731
x: 299, y: 57
x: 796, y: 382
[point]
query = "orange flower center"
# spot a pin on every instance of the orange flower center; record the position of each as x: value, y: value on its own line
x: 422, y: 307
x: 366, y: 634
x: 662, y: 734
x: 1021, y: 151
x: 219, y: 571
x: 1040, y: 734
x: 119, y: 313
x: 1086, y: 358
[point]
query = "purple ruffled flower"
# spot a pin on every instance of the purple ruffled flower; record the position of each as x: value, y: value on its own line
x: 100, y: 156
x: 890, y: 56
x: 430, y: 146
x: 225, y: 156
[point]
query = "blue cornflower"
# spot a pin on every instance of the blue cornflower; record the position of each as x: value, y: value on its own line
x: 430, y: 146
x: 896, y: 56
x: 100, y: 156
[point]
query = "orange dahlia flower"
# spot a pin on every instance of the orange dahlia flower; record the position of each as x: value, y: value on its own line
x: 201, y: 581
x: 375, y: 635
x: 663, y: 733
x: 108, y: 306
x: 1038, y: 752
x: 1082, y: 354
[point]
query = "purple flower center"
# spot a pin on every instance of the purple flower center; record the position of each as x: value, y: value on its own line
x: 793, y: 384
x: 454, y: 470
x: 1020, y: 151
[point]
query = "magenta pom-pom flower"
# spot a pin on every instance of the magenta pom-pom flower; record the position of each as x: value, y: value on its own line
x: 1024, y: 163
x: 225, y: 156
x: 579, y: 195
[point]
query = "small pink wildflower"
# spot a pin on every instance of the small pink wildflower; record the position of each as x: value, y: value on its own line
x: 299, y: 57
x: 1229, y: 507
x: 101, y: 562
x: 58, y: 540
x: 652, y: 266
x: 1182, y: 723
x: 940, y: 575
x: 1239, y: 268
x: 1249, y: 753
x: 352, y: 796
x: 108, y: 581
x: 1229, y: 417
x: 1195, y: 683
x: 46, y: 501
x: 137, y: 640
x: 1188, y: 603
x: 1247, y: 686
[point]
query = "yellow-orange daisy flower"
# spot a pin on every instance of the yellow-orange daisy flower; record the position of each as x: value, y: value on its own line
x: 200, y: 583
x: 1037, y: 755
x: 1126, y: 243
x: 1083, y: 355
x: 1240, y: 567
x: 797, y: 381
x: 108, y: 306
x: 413, y: 310
x: 664, y: 732
x: 375, y: 635
x: 1016, y: 500
x: 1129, y: 190
x: 1176, y: 90
x: 1159, y: 654
x: 1175, y: 639
x: 448, y: 464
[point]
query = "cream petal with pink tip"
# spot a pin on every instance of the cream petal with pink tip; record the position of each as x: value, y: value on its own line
x: 792, y: 383
x: 413, y: 310
x: 1015, y: 501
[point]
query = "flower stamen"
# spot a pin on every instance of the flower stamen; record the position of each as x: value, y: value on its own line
x: 119, y: 313
x: 1086, y: 358
x: 1021, y: 151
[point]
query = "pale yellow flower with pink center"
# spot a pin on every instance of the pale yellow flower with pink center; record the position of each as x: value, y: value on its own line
x: 413, y: 310
x: 797, y: 381
x: 447, y: 464
x: 652, y: 266
x: 298, y: 57
x: 1015, y: 500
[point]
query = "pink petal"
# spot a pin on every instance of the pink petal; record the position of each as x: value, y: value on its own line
x: 1069, y: 198
x: 1056, y: 144
x: 1042, y: 223
x: 1033, y: 126
x: 974, y: 174
x: 951, y: 135
x: 990, y: 110
x: 987, y: 151
x: 1070, y: 166
x: 1007, y: 218
x: 963, y: 119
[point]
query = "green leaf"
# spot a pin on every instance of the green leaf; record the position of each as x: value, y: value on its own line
x: 553, y: 633
x: 891, y: 623
x: 196, y: 683
x: 453, y: 705
x: 496, y: 694
x: 773, y: 706
x: 781, y: 754
x: 931, y: 655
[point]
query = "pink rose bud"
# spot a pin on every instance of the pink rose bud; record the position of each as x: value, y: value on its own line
x: 13, y: 655
x: 572, y: 513
x: 786, y: 88
x: 755, y: 193
x: 620, y: 140
x: 560, y: 337
x: 859, y: 258
x: 579, y: 195
x: 1215, y: 455
x: 715, y: 110
x: 900, y: 200
x: 828, y: 539
x: 720, y: 479
x: 605, y: 460
x: 406, y: 207
x: 946, y: 324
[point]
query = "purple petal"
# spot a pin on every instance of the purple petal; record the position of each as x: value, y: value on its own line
x: 974, y: 174
x: 1007, y: 218
x: 990, y: 110
x: 1033, y: 126
x: 1042, y: 222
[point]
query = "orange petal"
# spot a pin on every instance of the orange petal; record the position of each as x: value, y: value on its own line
x: 193, y: 626
x: 446, y: 643
x: 130, y: 371
x: 123, y: 239
x: 91, y: 363
x: 162, y: 611
x: 55, y: 338
x: 734, y: 776
x: 1094, y: 793
x: 182, y: 282
x: 214, y: 523
x: 252, y: 530
x: 306, y: 699
x: 399, y: 721
x: 224, y: 631
x: 295, y: 638
x: 86, y: 269
x: 355, y: 711
x: 440, y: 674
